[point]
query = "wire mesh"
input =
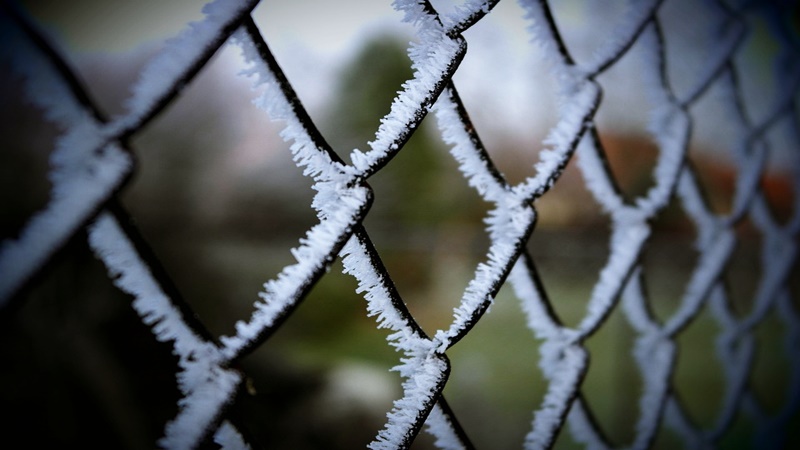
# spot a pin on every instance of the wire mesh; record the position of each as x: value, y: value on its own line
x: 91, y: 165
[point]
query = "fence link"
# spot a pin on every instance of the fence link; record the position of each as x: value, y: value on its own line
x: 91, y: 165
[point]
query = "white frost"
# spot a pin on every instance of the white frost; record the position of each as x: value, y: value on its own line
x: 563, y: 364
x: 637, y: 14
x: 476, y: 169
x: 199, y: 408
x: 179, y: 54
x: 280, y: 293
x: 83, y: 173
x: 206, y: 387
x: 315, y: 162
x: 440, y: 427
x: 432, y: 58
x: 576, y: 108
x: 130, y: 274
x: 423, y: 376
x: 626, y: 243
x: 228, y: 438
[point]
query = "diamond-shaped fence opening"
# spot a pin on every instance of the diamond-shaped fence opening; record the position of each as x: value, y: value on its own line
x: 305, y: 366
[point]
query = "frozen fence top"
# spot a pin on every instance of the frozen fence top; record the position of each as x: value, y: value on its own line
x: 89, y: 168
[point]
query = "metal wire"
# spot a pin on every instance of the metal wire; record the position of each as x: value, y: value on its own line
x: 208, y: 378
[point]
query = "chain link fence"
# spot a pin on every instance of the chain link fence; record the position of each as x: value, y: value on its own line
x: 91, y: 166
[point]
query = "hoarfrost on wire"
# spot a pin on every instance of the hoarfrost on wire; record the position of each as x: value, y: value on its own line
x: 180, y: 54
x: 81, y: 177
x: 132, y: 275
x: 229, y: 438
x: 88, y: 164
x: 440, y: 427
x: 205, y: 385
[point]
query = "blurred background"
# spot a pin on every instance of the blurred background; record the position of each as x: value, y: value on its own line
x: 220, y: 201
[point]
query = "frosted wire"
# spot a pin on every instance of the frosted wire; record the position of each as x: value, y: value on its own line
x: 84, y: 179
